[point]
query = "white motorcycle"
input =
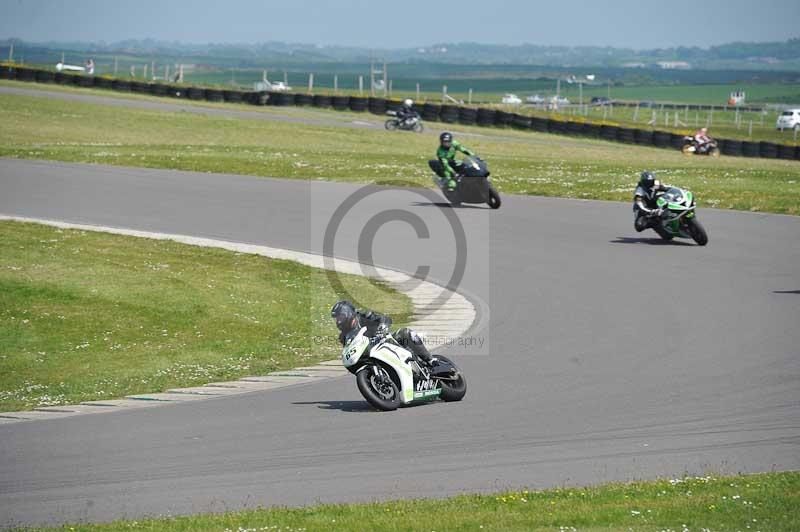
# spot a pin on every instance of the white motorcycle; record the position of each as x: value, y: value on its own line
x: 388, y: 375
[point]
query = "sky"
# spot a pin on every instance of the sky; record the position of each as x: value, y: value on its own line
x: 639, y: 24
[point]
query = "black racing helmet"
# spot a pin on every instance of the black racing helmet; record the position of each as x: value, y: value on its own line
x: 647, y: 180
x: 446, y: 140
x: 344, y: 313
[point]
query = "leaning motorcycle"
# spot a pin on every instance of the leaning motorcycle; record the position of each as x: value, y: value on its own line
x: 679, y: 217
x: 390, y: 376
x: 473, y: 184
x: 692, y: 147
x: 409, y: 124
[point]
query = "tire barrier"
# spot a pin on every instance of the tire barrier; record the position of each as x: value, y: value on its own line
x: 661, y: 139
x: 214, y: 95
x: 539, y: 124
x: 609, y: 132
x: 556, y: 126
x: 120, y: 85
x: 467, y: 116
x: 786, y: 152
x: 768, y: 150
x: 449, y: 114
x: 750, y: 149
x: 520, y: 121
x: 102, y: 83
x: 431, y: 112
x: 574, y: 128
x: 393, y: 105
x: 626, y: 135
x: 45, y: 76
x: 158, y: 89
x: 304, y: 99
x: 322, y: 100
x: 377, y: 106
x: 25, y: 74
x: 341, y: 103
x: 358, y: 104
x: 643, y: 137
x: 502, y: 119
x: 676, y: 140
x: 485, y: 117
x: 591, y: 131
x: 731, y: 147
x: 233, y: 96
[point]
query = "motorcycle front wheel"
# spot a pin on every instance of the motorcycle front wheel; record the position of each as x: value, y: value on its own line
x: 391, y: 125
x: 454, y: 390
x: 378, y: 388
x: 697, y: 231
x: 494, y: 198
x: 687, y: 149
x: 714, y: 152
x: 418, y: 128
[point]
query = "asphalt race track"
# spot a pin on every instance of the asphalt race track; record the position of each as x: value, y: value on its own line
x: 608, y: 355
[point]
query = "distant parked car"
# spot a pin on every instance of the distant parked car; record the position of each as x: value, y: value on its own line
x: 535, y: 98
x: 511, y: 99
x: 601, y: 100
x: 789, y: 119
x: 647, y: 105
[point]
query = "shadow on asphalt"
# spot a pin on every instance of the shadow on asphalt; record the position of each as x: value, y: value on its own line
x: 649, y: 241
x: 786, y: 291
x: 344, y: 406
x: 446, y: 205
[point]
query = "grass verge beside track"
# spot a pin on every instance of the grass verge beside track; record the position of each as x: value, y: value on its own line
x: 765, y: 502
x: 522, y: 162
x: 89, y: 315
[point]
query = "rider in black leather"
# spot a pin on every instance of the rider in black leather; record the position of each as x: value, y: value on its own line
x: 644, y: 201
x: 348, y: 318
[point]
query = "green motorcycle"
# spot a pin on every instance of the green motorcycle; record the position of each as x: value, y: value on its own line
x: 678, y: 217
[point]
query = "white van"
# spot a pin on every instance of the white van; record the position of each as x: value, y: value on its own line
x: 789, y: 119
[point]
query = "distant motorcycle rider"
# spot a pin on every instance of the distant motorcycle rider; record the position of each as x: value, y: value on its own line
x: 348, y: 318
x: 644, y: 201
x: 445, y: 165
x: 406, y: 112
x: 702, y: 139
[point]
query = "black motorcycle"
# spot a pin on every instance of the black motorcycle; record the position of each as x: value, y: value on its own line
x: 473, y: 184
x: 411, y: 123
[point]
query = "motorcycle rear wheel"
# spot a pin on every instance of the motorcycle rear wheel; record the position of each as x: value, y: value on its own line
x: 714, y: 152
x: 453, y: 390
x: 697, y: 231
x: 378, y: 389
x: 390, y: 125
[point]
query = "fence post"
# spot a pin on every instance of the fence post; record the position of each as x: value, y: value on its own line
x: 133, y: 71
x: 636, y: 113
x: 469, y: 98
x: 360, y: 85
x: 153, y: 69
x: 666, y: 118
x: 311, y: 82
x: 144, y: 74
x: 711, y: 117
x: 418, y: 91
x: 115, y: 65
x: 444, y: 93
x: 750, y: 129
x: 335, y: 83
x: 166, y: 72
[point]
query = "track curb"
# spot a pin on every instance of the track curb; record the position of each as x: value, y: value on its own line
x: 444, y: 324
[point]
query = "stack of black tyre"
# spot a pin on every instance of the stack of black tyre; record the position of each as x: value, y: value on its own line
x: 661, y: 139
x: 322, y: 100
x: 358, y: 103
x: 431, y: 112
x: 750, y: 149
x: 103, y: 83
x: 520, y: 121
x: 120, y: 85
x: 574, y: 128
x: 485, y: 117
x: 467, y: 115
x: 449, y: 114
x: 214, y: 95
x: 45, y: 76
x: 340, y: 103
x: 233, y: 96
x: 158, y: 89
x: 377, y: 106
x: 539, y: 124
x: 643, y: 137
x: 502, y: 118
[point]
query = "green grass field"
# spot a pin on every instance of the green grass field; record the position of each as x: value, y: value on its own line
x: 521, y: 162
x: 763, y: 502
x: 86, y: 315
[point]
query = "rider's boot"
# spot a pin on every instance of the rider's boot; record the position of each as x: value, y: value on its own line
x: 451, y: 184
